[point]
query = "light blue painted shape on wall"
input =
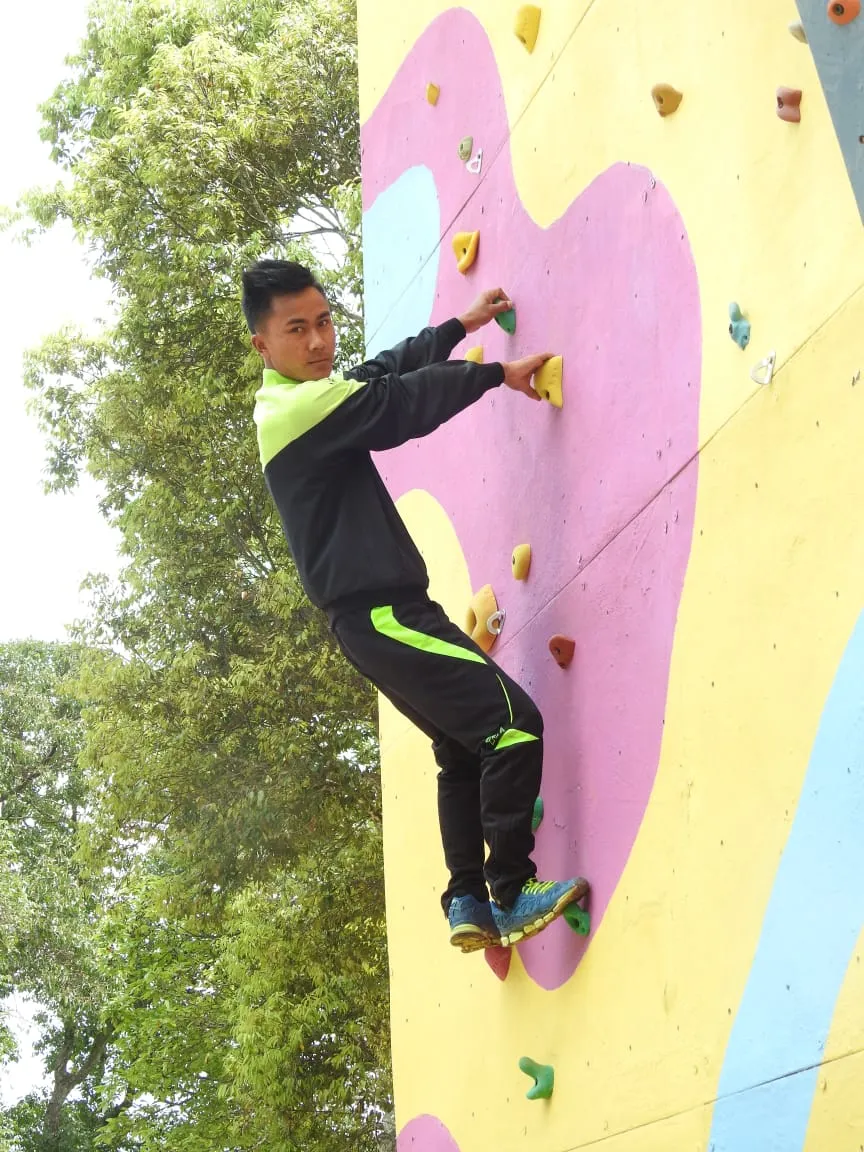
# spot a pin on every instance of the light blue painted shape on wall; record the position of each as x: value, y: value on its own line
x: 401, y: 233
x: 838, y: 52
x: 811, y: 926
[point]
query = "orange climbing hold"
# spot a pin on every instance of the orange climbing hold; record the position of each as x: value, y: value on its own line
x: 666, y: 98
x: 563, y: 649
x: 789, y: 105
x: 482, y: 608
x: 528, y: 25
x: 465, y: 247
x: 549, y: 381
x: 845, y: 12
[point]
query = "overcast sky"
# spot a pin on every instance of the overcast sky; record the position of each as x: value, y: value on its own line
x: 49, y: 543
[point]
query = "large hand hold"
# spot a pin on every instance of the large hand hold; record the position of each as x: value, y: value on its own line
x: 549, y: 381
x: 527, y: 25
x: 465, y: 247
x: 543, y: 1076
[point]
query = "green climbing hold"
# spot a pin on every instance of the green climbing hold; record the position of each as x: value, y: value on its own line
x: 543, y: 1076
x: 578, y: 919
x: 537, y: 818
x: 507, y: 320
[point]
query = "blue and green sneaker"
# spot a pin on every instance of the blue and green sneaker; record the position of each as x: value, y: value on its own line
x: 472, y: 925
x: 538, y: 904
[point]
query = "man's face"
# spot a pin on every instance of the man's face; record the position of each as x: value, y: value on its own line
x: 297, y: 337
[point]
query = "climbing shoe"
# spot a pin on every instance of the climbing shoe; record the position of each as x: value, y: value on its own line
x: 472, y: 926
x: 538, y: 904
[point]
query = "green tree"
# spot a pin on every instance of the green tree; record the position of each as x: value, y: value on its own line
x: 229, y: 751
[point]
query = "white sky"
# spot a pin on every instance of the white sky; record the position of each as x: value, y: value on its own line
x: 47, y: 543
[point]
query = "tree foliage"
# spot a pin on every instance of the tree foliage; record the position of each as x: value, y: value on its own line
x: 226, y: 752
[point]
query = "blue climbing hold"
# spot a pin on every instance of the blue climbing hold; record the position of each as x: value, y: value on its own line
x: 739, y: 328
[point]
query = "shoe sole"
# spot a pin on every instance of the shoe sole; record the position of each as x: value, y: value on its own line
x: 472, y: 938
x: 535, y: 926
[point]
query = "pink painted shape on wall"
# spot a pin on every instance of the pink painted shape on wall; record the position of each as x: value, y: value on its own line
x: 425, y: 1134
x: 603, y: 490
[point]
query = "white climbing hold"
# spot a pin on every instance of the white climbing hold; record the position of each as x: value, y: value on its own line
x: 474, y: 166
x: 495, y: 623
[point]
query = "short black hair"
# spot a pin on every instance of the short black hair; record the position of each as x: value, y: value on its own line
x: 268, y: 278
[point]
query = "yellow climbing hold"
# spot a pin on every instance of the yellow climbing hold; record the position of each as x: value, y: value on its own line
x: 465, y: 248
x: 528, y: 25
x: 549, y: 381
x: 483, y: 605
x: 475, y: 355
x: 521, y: 561
x: 432, y: 93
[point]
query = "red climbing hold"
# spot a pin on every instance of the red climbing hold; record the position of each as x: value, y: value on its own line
x: 498, y: 960
x: 562, y: 648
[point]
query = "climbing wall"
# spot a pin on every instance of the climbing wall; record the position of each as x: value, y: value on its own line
x: 693, y: 512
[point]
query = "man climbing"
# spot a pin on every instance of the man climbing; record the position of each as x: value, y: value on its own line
x: 357, y: 562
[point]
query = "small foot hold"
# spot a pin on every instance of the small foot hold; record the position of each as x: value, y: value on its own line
x: 843, y: 12
x: 739, y: 328
x: 466, y: 148
x: 475, y: 165
x: 432, y: 93
x: 578, y: 918
x: 537, y: 817
x: 797, y: 30
x: 465, y: 249
x: 549, y: 381
x: 521, y: 561
x: 789, y: 105
x: 543, y: 1076
x: 507, y: 321
x: 527, y: 25
x: 562, y: 649
x: 666, y: 99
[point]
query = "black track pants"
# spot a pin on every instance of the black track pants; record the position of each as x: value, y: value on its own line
x: 486, y: 733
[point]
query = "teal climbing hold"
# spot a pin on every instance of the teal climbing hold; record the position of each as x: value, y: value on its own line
x: 507, y: 320
x: 578, y: 918
x: 537, y: 818
x: 543, y: 1076
x: 739, y: 328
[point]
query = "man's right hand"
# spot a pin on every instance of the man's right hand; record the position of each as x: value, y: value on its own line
x: 519, y: 373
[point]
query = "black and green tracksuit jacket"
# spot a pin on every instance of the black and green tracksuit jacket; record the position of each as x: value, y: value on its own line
x: 348, y: 541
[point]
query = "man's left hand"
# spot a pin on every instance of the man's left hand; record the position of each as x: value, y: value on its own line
x: 486, y: 307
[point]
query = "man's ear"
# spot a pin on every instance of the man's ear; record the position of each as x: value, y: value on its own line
x: 258, y: 344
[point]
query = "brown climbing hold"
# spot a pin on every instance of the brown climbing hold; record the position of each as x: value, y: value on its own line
x: 432, y: 93
x: 465, y: 248
x: 528, y: 25
x: 845, y: 12
x: 548, y: 381
x: 789, y: 105
x: 521, y: 561
x: 483, y: 605
x: 562, y: 648
x: 475, y: 355
x: 666, y: 98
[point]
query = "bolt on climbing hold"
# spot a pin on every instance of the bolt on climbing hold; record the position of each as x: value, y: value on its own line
x: 432, y: 93
x: 549, y: 381
x: 579, y: 919
x: 763, y: 372
x: 495, y: 623
x: 797, y: 30
x: 537, y: 814
x: 475, y: 166
x: 666, y: 98
x: 789, y: 105
x: 475, y: 355
x: 563, y: 650
x: 543, y: 1076
x: 739, y: 328
x: 521, y: 561
x: 528, y: 25
x: 507, y: 321
x: 482, y: 608
x: 845, y: 12
x: 466, y: 147
x: 465, y: 248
